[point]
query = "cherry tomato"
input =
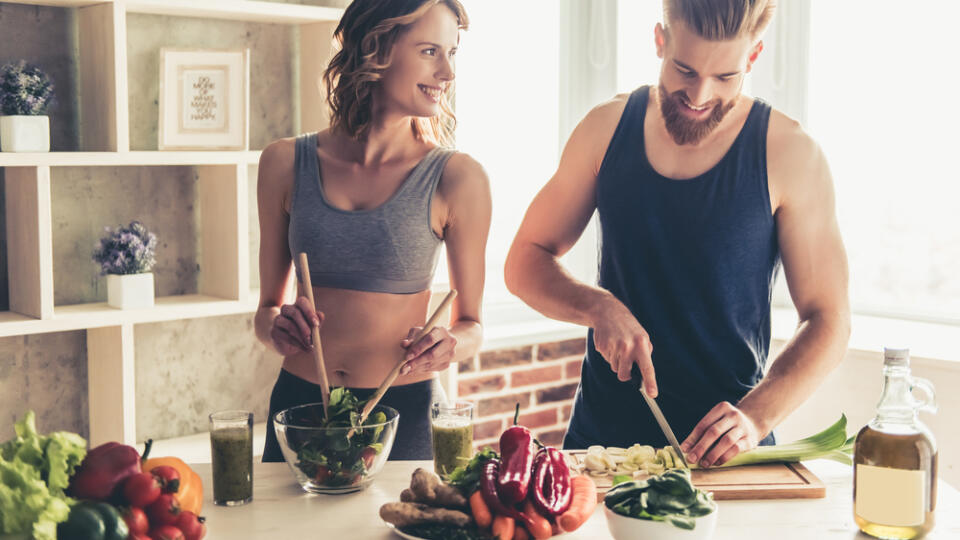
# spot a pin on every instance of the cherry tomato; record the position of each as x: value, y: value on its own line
x: 367, y: 456
x: 136, y: 521
x: 166, y: 532
x: 164, y: 511
x: 139, y: 537
x: 323, y: 474
x: 191, y: 525
x: 141, y: 489
x: 168, y: 476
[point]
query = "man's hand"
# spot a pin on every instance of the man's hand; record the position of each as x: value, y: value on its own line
x: 622, y: 342
x: 433, y: 352
x: 723, y: 433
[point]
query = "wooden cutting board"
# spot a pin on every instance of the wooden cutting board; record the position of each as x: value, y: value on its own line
x: 747, y: 482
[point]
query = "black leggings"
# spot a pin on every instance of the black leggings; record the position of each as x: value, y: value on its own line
x: 412, y: 401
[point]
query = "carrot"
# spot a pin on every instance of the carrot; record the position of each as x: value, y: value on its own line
x: 520, y: 533
x: 480, y: 510
x: 538, y: 526
x: 503, y: 527
x: 583, y: 501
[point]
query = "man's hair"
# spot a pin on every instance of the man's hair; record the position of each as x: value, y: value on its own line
x: 719, y: 20
x: 366, y: 35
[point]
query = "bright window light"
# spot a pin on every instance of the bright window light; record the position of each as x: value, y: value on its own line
x: 507, y: 103
x: 883, y: 105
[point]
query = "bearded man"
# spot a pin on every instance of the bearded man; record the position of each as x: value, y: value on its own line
x: 702, y: 192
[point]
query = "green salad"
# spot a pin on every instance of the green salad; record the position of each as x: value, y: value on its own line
x: 333, y: 459
x: 670, y: 497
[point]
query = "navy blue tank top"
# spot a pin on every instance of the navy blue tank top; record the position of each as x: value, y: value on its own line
x: 695, y: 261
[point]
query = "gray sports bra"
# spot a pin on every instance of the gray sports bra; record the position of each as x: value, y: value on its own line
x: 391, y: 248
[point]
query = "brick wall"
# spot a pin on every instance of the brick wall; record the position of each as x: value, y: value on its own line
x: 543, y: 378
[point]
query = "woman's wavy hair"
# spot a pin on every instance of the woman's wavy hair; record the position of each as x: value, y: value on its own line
x: 366, y: 35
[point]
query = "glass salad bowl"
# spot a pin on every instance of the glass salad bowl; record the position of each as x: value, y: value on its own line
x: 326, y: 459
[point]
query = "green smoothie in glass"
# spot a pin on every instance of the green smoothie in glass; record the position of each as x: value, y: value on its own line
x: 231, y: 450
x: 452, y: 427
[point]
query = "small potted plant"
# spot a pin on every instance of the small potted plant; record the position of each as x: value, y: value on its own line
x: 126, y: 256
x: 25, y: 94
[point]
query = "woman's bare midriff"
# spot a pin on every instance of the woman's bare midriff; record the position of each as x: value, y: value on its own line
x: 361, y: 336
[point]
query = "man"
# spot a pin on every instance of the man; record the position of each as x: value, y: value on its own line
x: 701, y: 192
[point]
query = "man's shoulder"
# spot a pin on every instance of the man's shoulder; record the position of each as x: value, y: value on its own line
x: 786, y: 137
x: 596, y: 130
x: 609, y: 112
x: 796, y: 165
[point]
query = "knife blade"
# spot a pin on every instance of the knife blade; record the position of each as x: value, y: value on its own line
x: 664, y: 425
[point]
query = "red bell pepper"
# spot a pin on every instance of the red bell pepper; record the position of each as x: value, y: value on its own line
x: 516, y: 451
x: 542, y: 482
x: 102, y: 472
x: 561, y: 489
x: 488, y: 490
x: 551, y: 482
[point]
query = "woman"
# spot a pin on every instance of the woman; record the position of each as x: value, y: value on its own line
x: 370, y: 200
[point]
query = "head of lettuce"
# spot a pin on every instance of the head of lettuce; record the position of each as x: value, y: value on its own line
x: 34, y: 471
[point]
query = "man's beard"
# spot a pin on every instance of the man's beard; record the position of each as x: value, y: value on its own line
x: 683, y: 129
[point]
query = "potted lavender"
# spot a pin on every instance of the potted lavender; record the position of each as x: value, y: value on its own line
x: 25, y: 94
x: 126, y: 256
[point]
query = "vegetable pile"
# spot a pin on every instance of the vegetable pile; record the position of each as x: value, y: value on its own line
x: 52, y: 487
x: 520, y: 494
x: 158, y: 498
x: 669, y: 497
x: 332, y: 458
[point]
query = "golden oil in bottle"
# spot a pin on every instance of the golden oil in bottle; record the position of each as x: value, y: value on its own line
x: 895, y: 458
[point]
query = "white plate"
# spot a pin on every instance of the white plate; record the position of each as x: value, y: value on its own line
x: 401, y: 533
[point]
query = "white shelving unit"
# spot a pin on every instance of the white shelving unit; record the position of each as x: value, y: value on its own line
x: 222, y: 185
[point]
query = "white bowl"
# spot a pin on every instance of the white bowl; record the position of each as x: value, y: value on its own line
x: 628, y: 528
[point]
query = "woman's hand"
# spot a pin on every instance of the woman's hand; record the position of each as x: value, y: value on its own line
x: 433, y: 352
x: 291, y: 330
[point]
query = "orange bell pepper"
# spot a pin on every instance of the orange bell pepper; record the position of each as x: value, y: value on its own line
x: 190, y: 494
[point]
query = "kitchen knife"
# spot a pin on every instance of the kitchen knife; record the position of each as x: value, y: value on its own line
x: 661, y: 420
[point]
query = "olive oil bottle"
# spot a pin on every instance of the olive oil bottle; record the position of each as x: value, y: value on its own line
x: 895, y: 457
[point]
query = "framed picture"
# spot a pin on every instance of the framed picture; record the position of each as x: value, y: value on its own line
x: 204, y: 96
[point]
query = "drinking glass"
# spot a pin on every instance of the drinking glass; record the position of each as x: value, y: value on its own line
x: 452, y: 428
x: 231, y: 449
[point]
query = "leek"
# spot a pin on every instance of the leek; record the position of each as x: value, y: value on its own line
x: 831, y: 443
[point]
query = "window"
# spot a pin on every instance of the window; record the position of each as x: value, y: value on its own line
x: 637, y: 61
x: 508, y: 104
x: 882, y: 102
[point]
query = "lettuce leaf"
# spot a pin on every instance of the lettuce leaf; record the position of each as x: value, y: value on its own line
x: 34, y: 472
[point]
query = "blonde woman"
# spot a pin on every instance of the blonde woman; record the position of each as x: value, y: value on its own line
x: 371, y: 200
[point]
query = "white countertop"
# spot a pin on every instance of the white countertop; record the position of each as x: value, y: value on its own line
x: 281, y: 509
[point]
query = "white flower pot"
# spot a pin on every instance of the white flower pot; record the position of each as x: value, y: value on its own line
x: 130, y: 291
x: 25, y: 133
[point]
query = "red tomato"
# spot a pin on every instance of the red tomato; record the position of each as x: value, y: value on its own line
x: 136, y: 521
x: 191, y: 525
x: 139, y: 537
x: 141, y: 489
x: 323, y: 474
x: 166, y: 532
x: 168, y: 476
x: 367, y: 456
x: 164, y: 511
